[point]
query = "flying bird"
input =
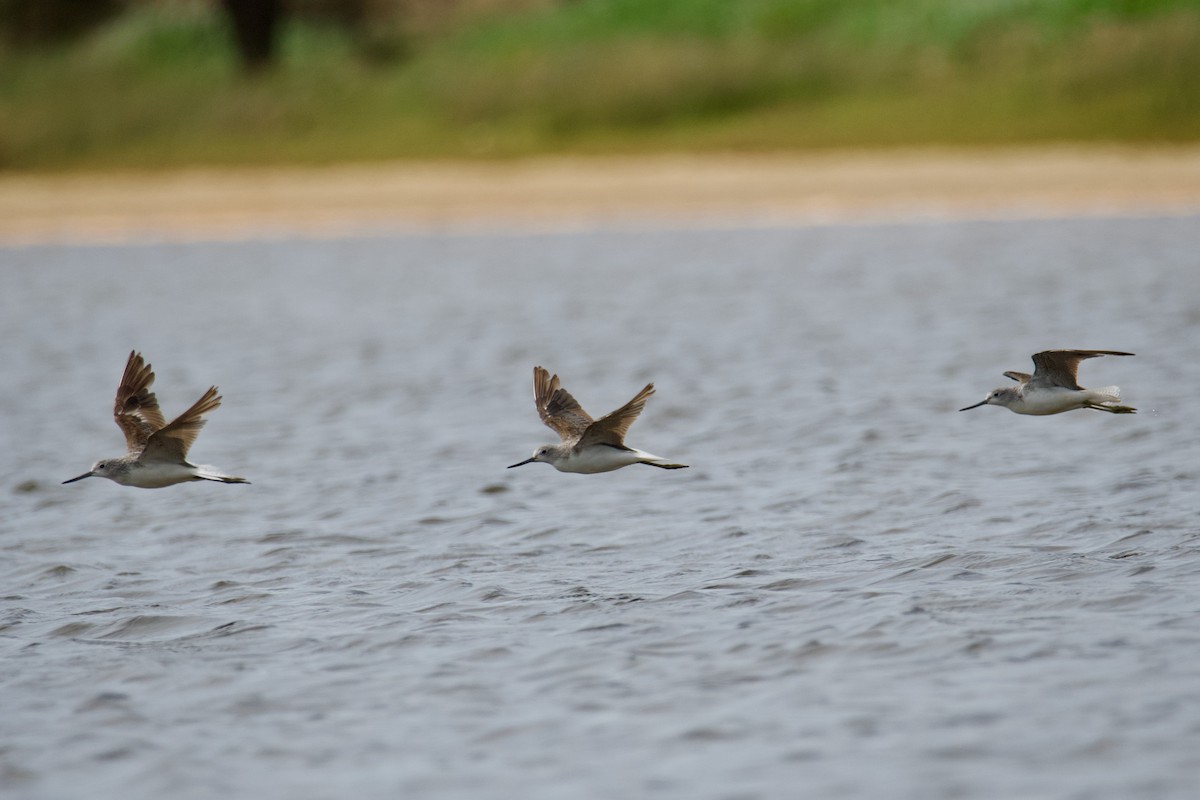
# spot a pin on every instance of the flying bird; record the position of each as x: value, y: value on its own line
x: 157, y: 454
x: 587, y: 445
x: 1053, y: 389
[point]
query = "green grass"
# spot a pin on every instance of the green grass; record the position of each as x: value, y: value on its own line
x: 160, y: 87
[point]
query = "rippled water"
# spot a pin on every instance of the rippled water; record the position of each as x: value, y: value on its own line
x: 855, y: 592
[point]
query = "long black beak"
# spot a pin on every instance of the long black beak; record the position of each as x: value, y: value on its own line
x: 977, y: 405
x: 521, y: 464
x: 80, y: 477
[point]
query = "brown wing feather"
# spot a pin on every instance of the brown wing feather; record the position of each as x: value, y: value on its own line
x: 172, y: 441
x: 136, y: 408
x: 557, y: 408
x: 1059, y: 367
x: 611, y: 428
x: 1019, y: 377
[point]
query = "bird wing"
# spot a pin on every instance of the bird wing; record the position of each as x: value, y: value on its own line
x: 171, y: 442
x: 136, y: 408
x: 1059, y: 367
x: 1019, y: 377
x: 557, y: 408
x: 611, y: 428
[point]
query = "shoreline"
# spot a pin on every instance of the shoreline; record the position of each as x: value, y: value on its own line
x: 572, y: 193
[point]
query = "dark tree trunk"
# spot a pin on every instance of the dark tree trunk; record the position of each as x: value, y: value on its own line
x: 254, y: 25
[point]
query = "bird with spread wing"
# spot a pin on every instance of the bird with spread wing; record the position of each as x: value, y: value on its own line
x: 157, y: 449
x: 587, y: 445
x: 1053, y: 388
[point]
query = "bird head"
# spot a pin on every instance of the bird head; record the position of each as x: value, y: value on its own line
x: 543, y: 453
x: 104, y: 468
x: 1004, y: 396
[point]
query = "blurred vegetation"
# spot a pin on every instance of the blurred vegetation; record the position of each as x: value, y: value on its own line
x: 26, y: 23
x: 159, y: 83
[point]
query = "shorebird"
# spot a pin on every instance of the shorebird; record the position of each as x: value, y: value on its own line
x: 587, y: 445
x: 157, y: 454
x: 1052, y: 387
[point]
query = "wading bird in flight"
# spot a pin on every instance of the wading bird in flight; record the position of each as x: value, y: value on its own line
x: 587, y: 445
x: 157, y: 454
x: 1052, y: 388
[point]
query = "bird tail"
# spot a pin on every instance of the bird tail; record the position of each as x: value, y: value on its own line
x: 211, y: 474
x: 1107, y: 398
x: 658, y: 461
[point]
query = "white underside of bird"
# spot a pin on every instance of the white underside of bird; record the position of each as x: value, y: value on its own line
x: 1040, y: 401
x: 157, y: 475
x: 602, y: 458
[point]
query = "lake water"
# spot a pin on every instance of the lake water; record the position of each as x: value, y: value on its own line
x: 855, y: 591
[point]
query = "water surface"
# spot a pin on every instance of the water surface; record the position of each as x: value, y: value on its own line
x: 855, y: 591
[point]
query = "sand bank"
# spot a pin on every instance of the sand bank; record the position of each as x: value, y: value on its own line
x: 570, y: 193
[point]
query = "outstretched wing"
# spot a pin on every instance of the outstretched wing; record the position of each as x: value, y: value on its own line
x: 171, y: 442
x: 1059, y: 367
x: 557, y: 408
x: 611, y: 428
x: 136, y: 408
x: 1019, y: 377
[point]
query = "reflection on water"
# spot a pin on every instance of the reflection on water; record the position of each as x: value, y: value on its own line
x: 854, y: 592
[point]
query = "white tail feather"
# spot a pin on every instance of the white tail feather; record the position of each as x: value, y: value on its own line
x: 212, y: 474
x: 658, y: 461
x: 1108, y: 399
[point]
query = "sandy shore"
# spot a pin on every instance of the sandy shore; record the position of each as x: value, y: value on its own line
x: 554, y: 194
